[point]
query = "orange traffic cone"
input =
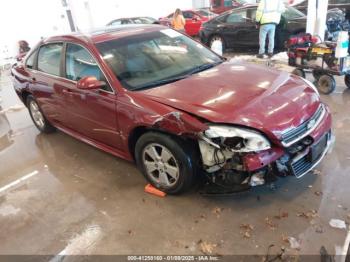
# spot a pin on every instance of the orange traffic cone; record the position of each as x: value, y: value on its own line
x: 154, y: 191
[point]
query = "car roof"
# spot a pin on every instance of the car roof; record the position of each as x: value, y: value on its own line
x: 106, y: 33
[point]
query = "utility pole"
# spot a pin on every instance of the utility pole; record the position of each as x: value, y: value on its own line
x: 66, y: 6
x: 316, y: 17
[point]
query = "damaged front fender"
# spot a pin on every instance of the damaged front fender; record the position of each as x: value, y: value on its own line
x: 180, y: 124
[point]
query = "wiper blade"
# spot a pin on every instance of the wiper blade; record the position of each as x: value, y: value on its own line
x: 203, y: 67
x: 161, y: 82
x: 195, y: 70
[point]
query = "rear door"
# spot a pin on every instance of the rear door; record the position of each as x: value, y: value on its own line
x: 93, y: 112
x: 45, y: 82
x: 248, y: 33
x: 233, y: 25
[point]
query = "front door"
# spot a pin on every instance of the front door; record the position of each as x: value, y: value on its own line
x: 92, y: 112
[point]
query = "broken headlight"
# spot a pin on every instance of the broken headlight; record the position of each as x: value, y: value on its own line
x: 237, y: 139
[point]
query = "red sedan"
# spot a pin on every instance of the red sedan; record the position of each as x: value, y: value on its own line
x: 194, y: 20
x: 152, y: 95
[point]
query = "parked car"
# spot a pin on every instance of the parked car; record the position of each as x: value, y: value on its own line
x: 194, y: 20
x: 155, y: 96
x: 341, y: 4
x: 220, y: 6
x: 133, y: 20
x: 206, y: 12
x: 237, y: 28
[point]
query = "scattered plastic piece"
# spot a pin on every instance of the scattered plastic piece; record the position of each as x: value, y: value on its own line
x: 294, y: 243
x: 154, y: 191
x: 337, y: 223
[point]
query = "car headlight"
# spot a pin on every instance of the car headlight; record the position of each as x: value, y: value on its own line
x: 310, y: 84
x: 237, y: 139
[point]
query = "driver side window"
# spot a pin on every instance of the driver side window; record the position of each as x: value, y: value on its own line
x: 237, y: 17
x: 79, y: 64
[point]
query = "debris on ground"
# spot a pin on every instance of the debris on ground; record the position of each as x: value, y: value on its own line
x: 217, y: 211
x: 308, y: 214
x: 246, y: 230
x: 285, y: 238
x: 318, y: 193
x: 317, y: 172
x: 294, y: 243
x: 206, y: 248
x: 337, y: 223
x: 319, y: 229
x: 154, y: 191
x: 270, y: 224
x: 281, y: 215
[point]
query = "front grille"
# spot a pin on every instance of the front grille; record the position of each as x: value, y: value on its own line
x: 301, y: 166
x: 306, y: 163
x: 297, y: 133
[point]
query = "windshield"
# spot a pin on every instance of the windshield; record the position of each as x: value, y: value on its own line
x: 292, y: 13
x: 155, y: 58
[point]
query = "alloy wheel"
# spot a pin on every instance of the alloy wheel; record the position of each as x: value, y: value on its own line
x: 36, y: 114
x: 161, y: 165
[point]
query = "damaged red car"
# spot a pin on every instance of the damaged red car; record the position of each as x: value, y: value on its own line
x: 152, y: 95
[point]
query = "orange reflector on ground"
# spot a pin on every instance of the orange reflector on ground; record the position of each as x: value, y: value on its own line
x: 154, y: 191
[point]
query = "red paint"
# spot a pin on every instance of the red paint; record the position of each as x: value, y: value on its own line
x: 257, y: 161
x: 232, y: 93
x: 192, y: 25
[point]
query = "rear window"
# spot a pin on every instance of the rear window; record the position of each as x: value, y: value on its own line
x: 49, y: 58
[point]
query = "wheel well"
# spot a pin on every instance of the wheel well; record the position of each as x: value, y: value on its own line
x: 139, y: 131
x: 134, y: 136
x: 24, y: 95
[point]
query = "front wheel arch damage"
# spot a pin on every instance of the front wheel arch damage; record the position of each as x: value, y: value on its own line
x: 230, y: 176
x: 184, y: 152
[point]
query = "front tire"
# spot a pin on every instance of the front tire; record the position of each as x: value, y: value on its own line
x: 38, y: 117
x: 166, y: 162
x: 219, y: 39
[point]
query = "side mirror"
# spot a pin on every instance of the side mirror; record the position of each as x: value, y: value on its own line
x: 90, y: 83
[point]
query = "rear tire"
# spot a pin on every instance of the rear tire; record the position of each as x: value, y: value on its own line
x: 166, y: 162
x: 326, y: 84
x: 38, y: 117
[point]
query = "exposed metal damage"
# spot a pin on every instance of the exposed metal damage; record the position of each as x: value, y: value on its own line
x: 180, y: 124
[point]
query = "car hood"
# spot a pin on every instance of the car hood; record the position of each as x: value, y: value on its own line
x: 242, y: 94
